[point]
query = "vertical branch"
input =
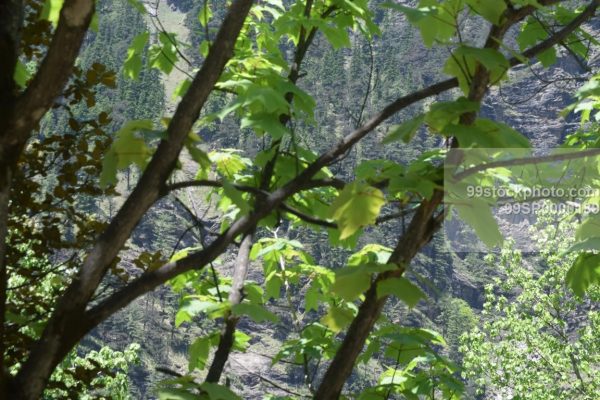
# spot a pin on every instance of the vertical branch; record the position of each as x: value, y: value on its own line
x: 243, y: 258
x: 235, y: 297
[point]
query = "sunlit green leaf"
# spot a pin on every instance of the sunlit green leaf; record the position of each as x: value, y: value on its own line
x: 51, y: 11
x: 402, y: 288
x: 491, y: 10
x: 357, y: 205
x: 133, y: 62
x: 584, y: 273
x: 477, y: 213
x: 405, y: 131
x: 218, y: 392
x: 337, y: 318
x: 256, y: 312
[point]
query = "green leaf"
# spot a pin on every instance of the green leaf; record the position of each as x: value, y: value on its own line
x: 311, y: 299
x: 590, y: 227
x: 205, y: 14
x: 181, y: 89
x: 108, y: 176
x: 478, y: 214
x: 412, y: 183
x: 464, y: 60
x: 198, y: 353
x: 218, y: 392
x: 133, y: 63
x: 126, y: 149
x: 273, y: 286
x: 163, y: 56
x: 402, y: 288
x: 337, y: 318
x: 51, y: 11
x: 523, y: 3
x: 592, y: 243
x: 94, y: 22
x: 256, y: 312
x: 584, y: 273
x: 21, y: 75
x: 240, y: 341
x: 200, y: 157
x: 228, y: 163
x: 138, y: 5
x: 192, y: 307
x: 531, y: 33
x: 444, y: 113
x: 351, y: 282
x: 491, y: 10
x: 204, y: 48
x: 372, y: 256
x: 176, y: 394
x: 337, y: 36
x: 436, y: 22
x: 271, y: 100
x: 183, y: 253
x: 236, y: 197
x: 264, y: 123
x: 485, y: 133
x: 378, y: 170
x: 356, y: 206
x: 547, y: 57
x: 405, y: 131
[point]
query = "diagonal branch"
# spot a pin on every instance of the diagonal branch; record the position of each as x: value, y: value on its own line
x: 526, y: 161
x: 60, y: 335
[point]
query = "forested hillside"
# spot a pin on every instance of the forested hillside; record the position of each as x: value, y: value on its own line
x: 261, y: 200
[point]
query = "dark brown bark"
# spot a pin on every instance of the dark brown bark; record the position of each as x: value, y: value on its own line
x: 53, y: 72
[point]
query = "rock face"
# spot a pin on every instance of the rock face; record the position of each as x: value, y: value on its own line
x: 532, y: 99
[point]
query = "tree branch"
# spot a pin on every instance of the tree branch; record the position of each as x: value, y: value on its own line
x: 235, y: 297
x: 54, y: 71
x: 60, y: 333
x: 527, y: 160
x: 312, y: 184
